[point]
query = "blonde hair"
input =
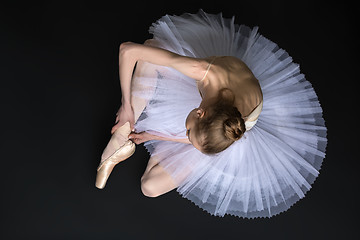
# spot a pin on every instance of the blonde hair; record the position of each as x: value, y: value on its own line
x: 222, y: 126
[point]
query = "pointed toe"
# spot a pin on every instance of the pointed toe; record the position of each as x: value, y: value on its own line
x: 105, y: 167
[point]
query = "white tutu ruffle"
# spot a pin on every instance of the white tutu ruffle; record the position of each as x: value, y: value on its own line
x: 274, y: 164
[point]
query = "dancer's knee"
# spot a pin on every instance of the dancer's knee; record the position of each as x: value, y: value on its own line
x: 149, y: 187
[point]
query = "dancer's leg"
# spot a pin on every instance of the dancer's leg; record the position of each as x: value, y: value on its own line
x: 155, y: 180
x: 116, y: 151
x: 142, y: 70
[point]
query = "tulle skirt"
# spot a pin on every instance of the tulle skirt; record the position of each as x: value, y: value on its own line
x: 275, y: 163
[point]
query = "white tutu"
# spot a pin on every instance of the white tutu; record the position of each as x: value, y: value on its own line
x: 274, y: 164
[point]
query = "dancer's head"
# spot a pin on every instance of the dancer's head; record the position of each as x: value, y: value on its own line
x: 216, y: 127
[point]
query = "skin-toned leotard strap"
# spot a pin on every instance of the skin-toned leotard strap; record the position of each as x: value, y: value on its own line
x: 208, y: 68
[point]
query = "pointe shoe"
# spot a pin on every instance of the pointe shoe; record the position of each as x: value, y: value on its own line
x: 118, y: 149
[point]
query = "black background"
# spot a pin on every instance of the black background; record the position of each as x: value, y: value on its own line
x: 60, y: 91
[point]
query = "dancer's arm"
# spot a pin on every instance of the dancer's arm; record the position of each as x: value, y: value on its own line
x: 145, y: 136
x: 181, y: 140
x: 130, y: 53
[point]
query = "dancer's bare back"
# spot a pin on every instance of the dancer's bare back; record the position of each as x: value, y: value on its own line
x: 230, y: 72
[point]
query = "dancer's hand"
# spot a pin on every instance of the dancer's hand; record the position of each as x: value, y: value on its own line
x: 125, y: 114
x: 141, y: 137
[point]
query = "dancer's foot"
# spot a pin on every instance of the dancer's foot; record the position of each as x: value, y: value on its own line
x: 118, y: 149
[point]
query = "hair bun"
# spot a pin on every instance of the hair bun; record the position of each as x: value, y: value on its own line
x: 234, y: 126
x: 232, y: 129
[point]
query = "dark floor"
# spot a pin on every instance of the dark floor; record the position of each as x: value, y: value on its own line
x: 60, y: 91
